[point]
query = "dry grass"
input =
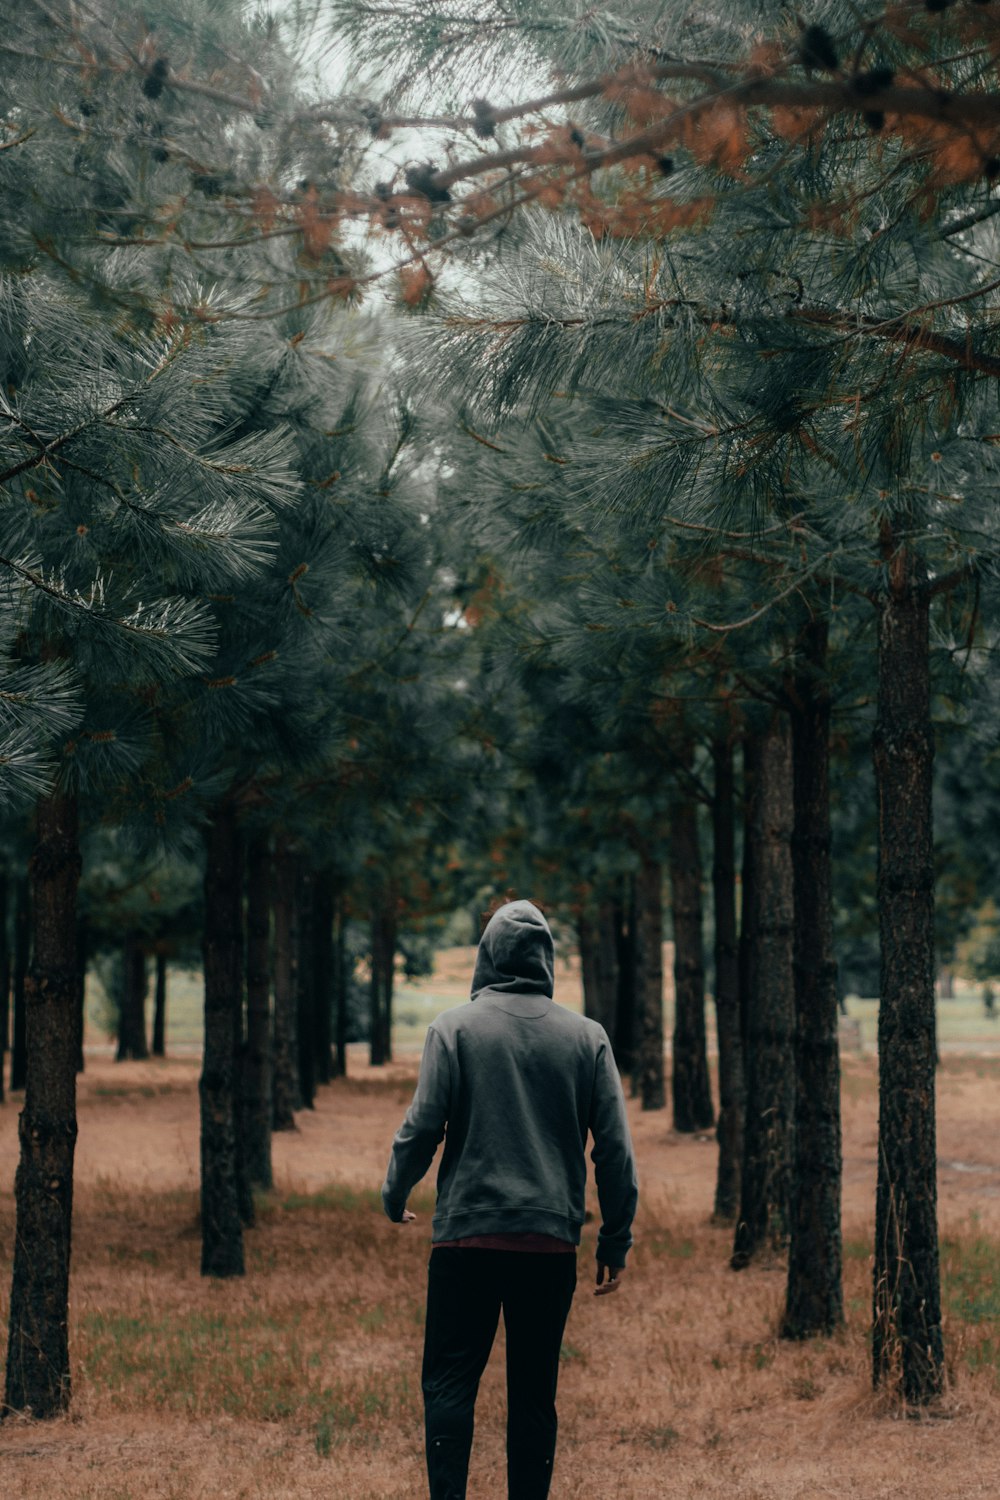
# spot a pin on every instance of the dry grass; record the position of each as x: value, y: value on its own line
x: 303, y: 1379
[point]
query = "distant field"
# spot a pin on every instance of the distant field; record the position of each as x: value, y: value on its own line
x: 962, y: 1022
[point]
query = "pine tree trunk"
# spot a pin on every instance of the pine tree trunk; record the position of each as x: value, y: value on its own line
x: 649, y: 986
x: 607, y: 966
x: 160, y: 1007
x: 241, y: 1058
x: 383, y: 945
x: 132, y: 1021
x: 587, y: 946
x: 323, y: 974
x: 690, y: 1087
x: 814, y: 1302
x: 748, y: 901
x: 222, y: 950
x: 729, y: 1130
x: 770, y: 1110
x: 38, y: 1374
x: 390, y: 934
x: 22, y: 952
x: 341, y: 986
x: 4, y: 981
x: 598, y: 944
x: 82, y: 945
x: 306, y: 989
x: 907, y: 1345
x: 625, y: 1006
x: 285, y: 1074
x: 258, y: 1105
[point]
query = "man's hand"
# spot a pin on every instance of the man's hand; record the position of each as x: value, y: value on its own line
x: 407, y: 1218
x: 614, y: 1276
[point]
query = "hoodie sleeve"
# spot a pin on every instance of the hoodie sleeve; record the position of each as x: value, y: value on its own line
x: 422, y: 1129
x: 614, y: 1162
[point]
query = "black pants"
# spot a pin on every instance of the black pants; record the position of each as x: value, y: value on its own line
x: 465, y: 1293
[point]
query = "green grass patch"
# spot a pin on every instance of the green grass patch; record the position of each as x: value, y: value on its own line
x: 244, y: 1365
x: 662, y: 1438
x: 970, y: 1279
x: 569, y: 1353
x: 970, y: 1296
x: 663, y: 1242
x: 335, y: 1197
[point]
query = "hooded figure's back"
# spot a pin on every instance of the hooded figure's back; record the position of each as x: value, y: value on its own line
x: 514, y: 1082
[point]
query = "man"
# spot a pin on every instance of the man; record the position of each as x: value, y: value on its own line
x: 514, y: 1083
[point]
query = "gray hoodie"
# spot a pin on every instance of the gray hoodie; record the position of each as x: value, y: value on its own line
x: 514, y: 1083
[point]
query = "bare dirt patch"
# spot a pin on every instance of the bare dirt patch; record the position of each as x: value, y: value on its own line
x: 303, y: 1379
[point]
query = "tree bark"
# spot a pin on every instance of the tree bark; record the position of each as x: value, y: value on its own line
x: 257, y: 1100
x: 341, y: 985
x: 4, y: 981
x: 383, y: 945
x: 607, y: 966
x: 690, y: 1088
x: 132, y: 1021
x: 323, y: 976
x: 770, y: 1110
x: 160, y: 1007
x: 38, y: 1374
x: 649, y: 987
x: 82, y: 945
x: 222, y: 950
x: 729, y: 1130
x: 22, y: 953
x: 624, y: 1035
x: 748, y: 901
x: 285, y: 1075
x: 907, y: 1344
x: 306, y: 988
x: 586, y: 940
x: 814, y: 1302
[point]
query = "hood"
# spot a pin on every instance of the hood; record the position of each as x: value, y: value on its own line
x: 515, y: 956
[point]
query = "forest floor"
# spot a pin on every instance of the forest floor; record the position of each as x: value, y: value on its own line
x: 302, y: 1379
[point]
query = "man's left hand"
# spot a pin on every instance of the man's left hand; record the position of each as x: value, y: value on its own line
x: 407, y: 1217
x: 614, y: 1276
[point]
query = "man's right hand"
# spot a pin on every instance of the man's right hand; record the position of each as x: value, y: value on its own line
x: 609, y: 1279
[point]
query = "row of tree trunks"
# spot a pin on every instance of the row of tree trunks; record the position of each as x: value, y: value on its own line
x: 222, y: 951
x: 305, y: 997
x: 257, y: 1093
x: 383, y: 963
x: 586, y: 941
x: 907, y: 1345
x: 814, y: 1302
x: 342, y: 981
x: 765, y: 1198
x: 690, y: 1088
x: 132, y: 1020
x: 38, y: 1374
x: 22, y: 953
x: 81, y: 988
x: 160, y: 1006
x: 285, y: 1084
x: 649, y: 981
x: 597, y: 935
x: 624, y: 1035
x: 4, y: 978
x: 729, y: 1130
x: 323, y: 959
